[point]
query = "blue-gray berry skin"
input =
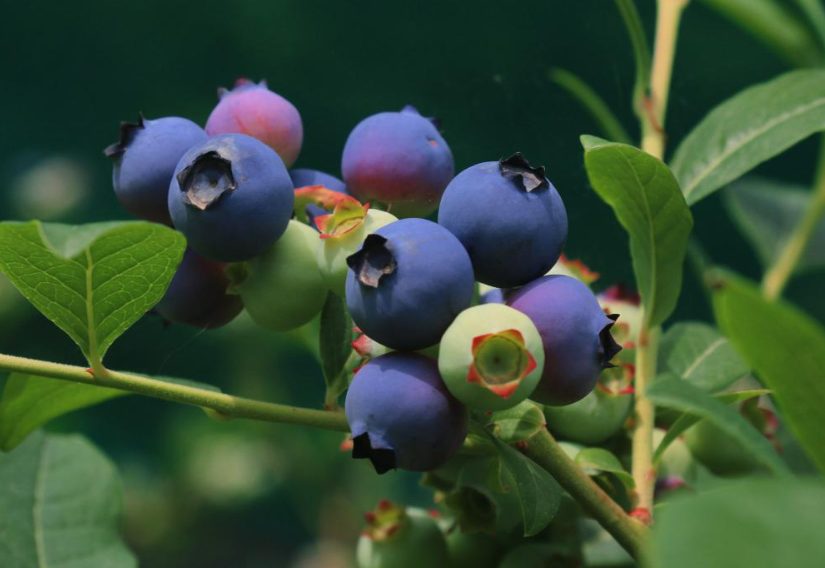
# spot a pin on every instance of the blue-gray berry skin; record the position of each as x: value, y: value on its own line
x: 231, y: 197
x: 407, y: 283
x: 197, y: 294
x: 575, y: 333
x: 510, y: 219
x: 398, y: 159
x: 144, y: 163
x: 402, y: 416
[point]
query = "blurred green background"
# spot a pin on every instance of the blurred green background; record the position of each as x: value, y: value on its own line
x: 204, y: 493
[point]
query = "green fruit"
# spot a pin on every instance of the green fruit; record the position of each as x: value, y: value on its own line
x: 591, y: 420
x: 399, y: 538
x: 476, y: 549
x: 716, y: 450
x: 283, y: 289
x: 491, y: 357
x: 532, y: 555
x: 344, y: 233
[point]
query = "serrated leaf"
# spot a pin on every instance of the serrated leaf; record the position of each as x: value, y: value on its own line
x: 646, y: 199
x: 785, y: 347
x: 672, y: 392
x: 335, y: 343
x: 754, y: 523
x: 595, y: 460
x: 518, y: 423
x: 698, y: 353
x: 60, y: 499
x: 767, y: 212
x: 114, y: 274
x: 30, y: 401
x: 686, y: 420
x: 749, y: 128
x: 538, y: 493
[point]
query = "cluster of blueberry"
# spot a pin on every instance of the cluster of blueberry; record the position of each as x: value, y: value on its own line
x: 276, y: 242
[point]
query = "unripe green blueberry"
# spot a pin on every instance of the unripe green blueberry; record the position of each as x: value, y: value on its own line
x: 476, y: 549
x: 399, y: 538
x: 718, y: 451
x: 342, y: 234
x: 491, y: 357
x: 283, y: 289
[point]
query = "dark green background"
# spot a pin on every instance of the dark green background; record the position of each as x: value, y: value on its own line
x: 72, y: 70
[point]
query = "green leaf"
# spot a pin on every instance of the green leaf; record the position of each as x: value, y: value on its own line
x: 596, y: 460
x: 538, y: 493
x: 698, y: 353
x: 93, y: 281
x: 757, y: 523
x: 686, y: 420
x: 785, y: 347
x: 29, y: 401
x: 60, y: 499
x: 591, y: 101
x: 767, y: 212
x: 335, y: 342
x: 816, y: 16
x: 646, y: 199
x: 518, y: 423
x: 771, y: 22
x: 672, y: 392
x: 749, y: 128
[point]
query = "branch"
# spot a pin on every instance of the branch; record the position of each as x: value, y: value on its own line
x: 217, y: 403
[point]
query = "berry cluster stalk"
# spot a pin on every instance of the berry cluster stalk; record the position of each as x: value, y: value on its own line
x: 669, y: 13
x: 780, y: 272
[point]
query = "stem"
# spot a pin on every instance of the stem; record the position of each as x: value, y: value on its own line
x: 644, y: 473
x: 221, y: 404
x: 641, y: 51
x: 668, y: 15
x: 543, y: 449
x: 780, y: 272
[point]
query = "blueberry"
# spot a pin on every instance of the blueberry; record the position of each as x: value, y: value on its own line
x: 231, y: 197
x: 197, y: 294
x: 144, y: 163
x: 283, y: 289
x: 407, y: 283
x: 510, y: 219
x: 307, y: 178
x: 254, y: 110
x: 491, y: 357
x: 575, y: 333
x: 591, y: 420
x: 402, y: 416
x: 399, y: 538
x: 398, y: 159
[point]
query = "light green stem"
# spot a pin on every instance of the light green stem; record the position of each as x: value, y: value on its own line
x: 642, y: 469
x: 217, y: 403
x: 778, y: 275
x: 543, y: 449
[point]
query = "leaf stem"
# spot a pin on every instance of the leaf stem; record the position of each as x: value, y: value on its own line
x: 642, y: 468
x: 641, y: 52
x: 543, y: 449
x: 668, y: 16
x: 779, y: 273
x: 215, y: 402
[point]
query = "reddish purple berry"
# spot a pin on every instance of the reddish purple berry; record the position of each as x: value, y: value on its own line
x: 397, y: 159
x: 254, y: 110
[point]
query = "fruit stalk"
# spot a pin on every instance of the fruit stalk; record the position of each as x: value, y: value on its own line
x: 543, y: 449
x: 777, y: 276
x: 215, y: 403
x: 668, y: 16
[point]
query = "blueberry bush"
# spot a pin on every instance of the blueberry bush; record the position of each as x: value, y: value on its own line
x: 556, y: 420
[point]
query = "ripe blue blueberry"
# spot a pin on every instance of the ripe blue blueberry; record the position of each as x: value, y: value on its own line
x: 144, y: 162
x: 510, y: 219
x: 231, y: 197
x: 407, y: 283
x: 575, y: 332
x: 254, y: 110
x: 398, y: 159
x: 402, y: 416
x: 197, y: 294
